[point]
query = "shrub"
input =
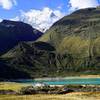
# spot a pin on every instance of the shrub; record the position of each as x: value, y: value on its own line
x: 27, y: 90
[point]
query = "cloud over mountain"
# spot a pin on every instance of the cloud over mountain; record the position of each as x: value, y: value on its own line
x: 7, y: 4
x: 40, y: 19
x: 79, y: 4
x: 0, y: 20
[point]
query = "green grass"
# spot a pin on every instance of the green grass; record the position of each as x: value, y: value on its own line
x: 11, y: 86
x: 70, y: 96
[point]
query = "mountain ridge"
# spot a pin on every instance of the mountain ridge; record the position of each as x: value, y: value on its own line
x: 12, y: 32
x: 70, y: 47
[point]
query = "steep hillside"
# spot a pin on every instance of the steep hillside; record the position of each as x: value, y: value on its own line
x: 84, y: 23
x: 35, y: 59
x: 70, y: 47
x: 78, y: 35
x: 11, y: 33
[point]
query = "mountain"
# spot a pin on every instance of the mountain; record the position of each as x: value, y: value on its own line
x: 10, y: 72
x: 77, y: 35
x: 33, y: 58
x: 84, y: 23
x: 70, y: 47
x: 12, y: 32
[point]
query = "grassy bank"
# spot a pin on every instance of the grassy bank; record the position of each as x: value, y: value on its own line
x: 11, y: 86
x: 70, y: 96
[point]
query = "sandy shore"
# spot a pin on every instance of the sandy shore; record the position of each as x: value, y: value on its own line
x: 90, y: 76
x: 69, y: 77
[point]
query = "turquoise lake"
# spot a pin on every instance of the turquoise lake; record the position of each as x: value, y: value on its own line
x: 63, y: 81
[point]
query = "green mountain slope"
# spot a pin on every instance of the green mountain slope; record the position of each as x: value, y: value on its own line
x: 84, y: 23
x: 35, y: 59
x: 77, y: 34
x: 70, y: 47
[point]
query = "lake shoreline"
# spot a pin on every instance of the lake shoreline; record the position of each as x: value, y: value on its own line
x: 69, y: 77
x: 56, y: 89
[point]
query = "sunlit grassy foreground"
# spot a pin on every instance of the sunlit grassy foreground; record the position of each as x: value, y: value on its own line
x: 70, y: 96
x: 11, y: 86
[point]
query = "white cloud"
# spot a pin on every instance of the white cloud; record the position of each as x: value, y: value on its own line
x: 40, y: 19
x: 60, y: 6
x: 15, y: 19
x: 7, y: 4
x: 1, y: 20
x: 80, y: 4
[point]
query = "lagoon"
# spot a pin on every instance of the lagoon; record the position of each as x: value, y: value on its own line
x: 61, y: 81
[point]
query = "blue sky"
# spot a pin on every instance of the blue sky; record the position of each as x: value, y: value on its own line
x: 39, y: 13
x: 26, y: 5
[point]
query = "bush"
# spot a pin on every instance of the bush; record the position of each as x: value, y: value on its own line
x: 46, y: 90
x: 73, y: 86
x: 34, y: 90
x: 27, y: 90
